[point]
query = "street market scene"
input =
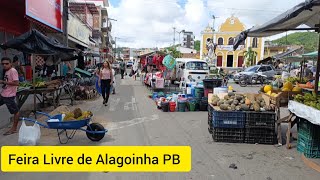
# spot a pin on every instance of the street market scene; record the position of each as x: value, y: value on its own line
x: 238, y: 84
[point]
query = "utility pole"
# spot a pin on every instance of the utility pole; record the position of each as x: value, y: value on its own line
x: 65, y: 19
x: 115, y: 51
x: 174, y: 36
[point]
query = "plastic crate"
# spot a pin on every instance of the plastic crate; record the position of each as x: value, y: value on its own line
x: 308, y: 129
x: 260, y: 136
x: 308, y: 139
x: 260, y: 120
x: 230, y: 135
x: 308, y: 146
x: 228, y: 119
x: 212, y: 83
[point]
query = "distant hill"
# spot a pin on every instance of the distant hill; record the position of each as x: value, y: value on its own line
x: 309, y: 40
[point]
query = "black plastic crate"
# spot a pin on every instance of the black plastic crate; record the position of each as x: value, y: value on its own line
x: 260, y: 120
x: 228, y: 119
x: 211, y: 83
x: 230, y: 135
x: 210, y: 129
x: 260, y: 136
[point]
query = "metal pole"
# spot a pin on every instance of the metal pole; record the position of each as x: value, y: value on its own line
x: 318, y: 66
x: 115, y: 43
x: 65, y: 27
x: 174, y: 36
x: 33, y: 63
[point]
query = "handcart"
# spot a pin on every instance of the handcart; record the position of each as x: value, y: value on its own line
x: 94, y: 131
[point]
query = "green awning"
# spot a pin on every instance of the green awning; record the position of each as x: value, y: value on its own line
x: 312, y: 54
x: 82, y: 72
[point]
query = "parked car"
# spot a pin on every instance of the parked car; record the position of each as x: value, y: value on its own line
x: 266, y: 70
x: 129, y: 63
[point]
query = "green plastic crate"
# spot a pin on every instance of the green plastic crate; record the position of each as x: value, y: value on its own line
x: 308, y: 139
x: 308, y: 146
x: 308, y: 129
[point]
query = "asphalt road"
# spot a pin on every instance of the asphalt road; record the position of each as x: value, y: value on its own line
x: 133, y: 119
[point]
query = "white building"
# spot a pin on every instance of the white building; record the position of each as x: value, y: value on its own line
x: 185, y: 50
x: 188, y: 40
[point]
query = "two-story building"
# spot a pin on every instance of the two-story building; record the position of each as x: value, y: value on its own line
x: 224, y: 38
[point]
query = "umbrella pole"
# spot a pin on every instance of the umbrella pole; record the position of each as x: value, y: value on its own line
x: 33, y: 81
x: 318, y: 67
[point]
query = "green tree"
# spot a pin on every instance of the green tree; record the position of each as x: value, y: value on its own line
x: 197, y: 45
x: 250, y: 57
x: 309, y: 40
x: 173, y: 51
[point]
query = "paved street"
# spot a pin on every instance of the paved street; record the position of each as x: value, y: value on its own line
x: 133, y: 119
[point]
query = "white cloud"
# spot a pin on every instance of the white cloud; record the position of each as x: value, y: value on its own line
x: 149, y: 23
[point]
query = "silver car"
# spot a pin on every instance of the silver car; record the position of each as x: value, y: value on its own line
x: 266, y: 70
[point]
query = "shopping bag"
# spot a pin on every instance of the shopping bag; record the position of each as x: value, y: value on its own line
x: 29, y: 135
x: 111, y: 89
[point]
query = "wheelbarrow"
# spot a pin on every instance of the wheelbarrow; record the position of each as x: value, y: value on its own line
x: 94, y: 131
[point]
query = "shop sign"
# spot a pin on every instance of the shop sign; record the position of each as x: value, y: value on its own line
x: 48, y: 12
x: 78, y: 30
x: 229, y: 47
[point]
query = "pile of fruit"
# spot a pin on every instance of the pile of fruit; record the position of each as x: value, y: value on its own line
x: 309, y: 99
x: 287, y: 87
x: 308, y: 85
x: 238, y: 102
x: 25, y: 84
x: 77, y: 114
x: 294, y: 80
x: 39, y: 83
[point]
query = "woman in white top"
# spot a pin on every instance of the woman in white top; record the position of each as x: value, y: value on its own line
x: 106, y: 81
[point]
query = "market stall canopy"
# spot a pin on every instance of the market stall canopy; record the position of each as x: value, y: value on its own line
x: 293, y: 59
x: 307, y: 13
x: 287, y: 53
x: 312, y: 54
x: 34, y: 42
x: 265, y: 61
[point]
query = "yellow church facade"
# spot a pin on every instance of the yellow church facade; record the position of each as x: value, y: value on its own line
x: 224, y: 38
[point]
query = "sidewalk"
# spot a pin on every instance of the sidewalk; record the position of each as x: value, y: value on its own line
x: 5, y: 115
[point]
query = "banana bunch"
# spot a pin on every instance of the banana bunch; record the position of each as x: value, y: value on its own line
x: 40, y: 84
x: 309, y: 99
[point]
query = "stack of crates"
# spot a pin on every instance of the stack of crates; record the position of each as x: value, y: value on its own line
x: 308, y: 139
x: 260, y: 128
x: 228, y: 126
x: 210, y: 125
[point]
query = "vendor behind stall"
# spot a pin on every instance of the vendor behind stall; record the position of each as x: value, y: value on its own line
x: 16, y: 64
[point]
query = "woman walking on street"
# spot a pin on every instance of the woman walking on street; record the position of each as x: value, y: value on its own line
x: 106, y: 80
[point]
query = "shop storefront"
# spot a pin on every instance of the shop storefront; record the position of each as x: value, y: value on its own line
x: 24, y: 15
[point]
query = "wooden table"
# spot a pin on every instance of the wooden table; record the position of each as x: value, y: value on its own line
x: 39, y: 93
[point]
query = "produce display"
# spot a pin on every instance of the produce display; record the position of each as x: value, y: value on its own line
x: 309, y: 99
x: 294, y: 80
x: 39, y: 83
x: 308, y: 85
x: 25, y: 84
x: 77, y: 114
x: 238, y: 102
x: 287, y: 87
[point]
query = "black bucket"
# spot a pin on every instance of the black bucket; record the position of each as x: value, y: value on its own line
x: 212, y: 83
x: 204, y: 104
x: 165, y: 106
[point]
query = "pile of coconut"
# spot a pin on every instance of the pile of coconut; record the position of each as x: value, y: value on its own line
x: 240, y: 102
